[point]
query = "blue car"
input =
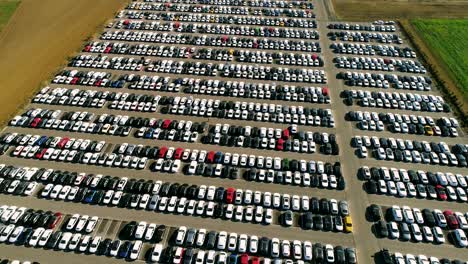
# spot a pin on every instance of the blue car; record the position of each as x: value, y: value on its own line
x: 89, y: 196
x: 232, y: 259
x: 124, y: 249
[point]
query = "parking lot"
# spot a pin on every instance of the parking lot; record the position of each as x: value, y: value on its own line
x: 224, y: 131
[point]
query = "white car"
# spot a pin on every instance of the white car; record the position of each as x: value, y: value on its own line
x: 222, y: 239
x: 150, y: 231
x: 91, y: 224
x: 72, y: 221
x: 460, y: 238
x: 44, y: 237
x: 36, y: 236
x: 64, y: 240
x: 232, y: 242
x: 181, y: 235
x: 242, y: 243
x: 156, y: 253
x: 135, y: 250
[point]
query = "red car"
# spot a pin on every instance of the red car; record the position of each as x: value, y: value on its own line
x: 40, y: 154
x: 452, y: 220
x: 280, y: 144
x: 244, y: 259
x: 74, y: 80
x: 325, y: 91
x: 441, y: 192
x: 286, y: 134
x: 255, y: 260
x: 162, y: 152
x: 35, y: 122
x: 230, y: 195
x: 178, y: 153
x: 63, y: 142
x: 210, y: 157
x: 54, y: 220
x: 166, y: 124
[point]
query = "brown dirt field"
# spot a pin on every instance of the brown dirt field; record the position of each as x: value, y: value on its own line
x: 368, y: 10
x: 39, y: 38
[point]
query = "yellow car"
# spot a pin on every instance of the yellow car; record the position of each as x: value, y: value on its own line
x: 429, y: 130
x: 348, y: 224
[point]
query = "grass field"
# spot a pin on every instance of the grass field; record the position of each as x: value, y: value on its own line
x: 7, y: 8
x: 448, y: 40
x: 368, y: 10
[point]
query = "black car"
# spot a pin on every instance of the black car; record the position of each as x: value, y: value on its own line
x: 24, y: 236
x: 315, y: 205
x: 324, y: 206
x: 286, y: 218
x: 318, y: 222
x: 188, y: 256
x: 53, y: 240
x: 327, y: 223
x: 318, y: 253
x: 264, y: 246
x: 381, y: 228
x: 429, y: 219
x: 307, y: 221
x: 374, y: 212
x: 104, y: 247
x: 128, y: 231
x: 210, y: 240
x: 340, y: 255
x: 371, y: 187
x: 158, y: 233
x: 114, y: 245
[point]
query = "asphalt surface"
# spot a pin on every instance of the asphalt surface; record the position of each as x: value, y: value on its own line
x: 362, y: 238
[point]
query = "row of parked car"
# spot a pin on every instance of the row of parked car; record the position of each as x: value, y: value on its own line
x: 399, y: 258
x: 91, y: 78
x: 365, y: 27
x: 39, y: 141
x: 256, y: 3
x: 249, y: 111
x: 28, y: 218
x: 446, y: 220
x: 258, y: 91
x: 274, y: 247
x: 15, y: 261
x: 239, y: 20
x: 204, y: 40
x: 423, y: 226
x: 421, y: 83
x: 406, y: 124
x: 269, y: 32
x: 65, y: 241
x: 244, y: 71
x: 396, y: 100
x: 229, y: 10
x: 416, y: 177
x: 360, y: 36
x: 372, y: 49
x: 412, y: 150
x: 379, y: 64
x: 81, y: 223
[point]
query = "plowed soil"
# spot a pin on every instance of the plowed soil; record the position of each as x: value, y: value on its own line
x: 369, y: 10
x: 37, y: 41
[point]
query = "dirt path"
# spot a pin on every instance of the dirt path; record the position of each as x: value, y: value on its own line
x: 39, y: 38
